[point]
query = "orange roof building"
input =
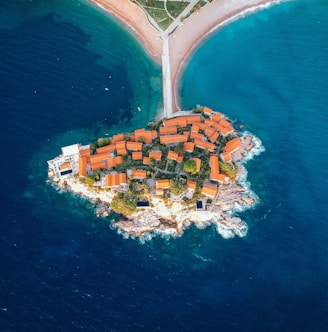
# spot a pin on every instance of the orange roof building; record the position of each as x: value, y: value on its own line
x: 139, y: 174
x: 173, y: 155
x: 118, y: 160
x: 189, y: 147
x: 232, y: 145
x: 115, y: 180
x: 170, y: 139
x: 180, y: 158
x: 209, y: 190
x: 106, y: 148
x: 121, y: 148
x: 168, y: 130
x: 197, y: 136
x: 163, y: 184
x: 216, y: 117
x: 83, y: 166
x: 157, y: 155
x: 142, y: 134
x: 195, y: 128
x: 198, y: 163
x: 205, y: 145
x: 134, y: 146
x: 99, y: 157
x: 209, y: 131
x: 214, y: 165
x: 85, y: 152
x: 179, y: 121
x: 111, y: 162
x: 98, y: 165
x: 146, y: 160
x: 214, y: 137
x: 137, y: 155
x: 66, y: 165
x: 207, y: 110
x: 191, y: 185
x: 226, y: 157
x: 117, y: 138
x: 192, y: 118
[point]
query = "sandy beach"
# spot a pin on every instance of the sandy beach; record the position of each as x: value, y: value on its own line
x: 134, y: 18
x: 199, y: 26
x: 187, y: 37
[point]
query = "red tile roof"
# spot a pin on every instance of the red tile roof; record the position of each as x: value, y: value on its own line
x: 115, y: 180
x: 207, y: 110
x: 98, y: 165
x: 65, y: 165
x: 146, y: 160
x: 157, y: 155
x: 188, y: 146
x: 167, y: 139
x: 209, y: 190
x: 194, y: 128
x: 205, y: 145
x: 134, y: 146
x: 192, y: 118
x: 179, y: 121
x: 197, y: 136
x: 214, y: 137
x: 85, y: 152
x: 168, y: 130
x: 163, y: 184
x: 173, y: 155
x: 139, y: 174
x: 99, y: 157
x: 106, y: 148
x: 117, y: 138
x: 198, y: 163
x: 191, y: 185
x: 118, y: 160
x: 83, y: 166
x: 137, y: 155
x: 216, y: 117
x: 226, y: 157
x: 214, y: 165
x: 232, y: 145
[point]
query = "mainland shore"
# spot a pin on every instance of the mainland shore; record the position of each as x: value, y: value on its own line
x: 188, y: 35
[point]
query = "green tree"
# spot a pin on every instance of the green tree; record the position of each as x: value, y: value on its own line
x: 177, y: 186
x: 229, y: 169
x: 189, y: 166
x: 89, y: 180
x: 123, y: 205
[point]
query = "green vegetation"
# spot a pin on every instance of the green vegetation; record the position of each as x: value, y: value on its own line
x: 157, y: 11
x: 123, y: 204
x: 91, y: 178
x: 177, y: 186
x: 229, y: 169
x: 189, y: 166
x: 175, y: 8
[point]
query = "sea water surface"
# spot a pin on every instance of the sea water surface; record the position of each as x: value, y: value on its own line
x: 68, y: 74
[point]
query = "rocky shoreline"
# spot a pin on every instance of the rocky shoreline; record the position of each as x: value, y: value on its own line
x: 172, y: 219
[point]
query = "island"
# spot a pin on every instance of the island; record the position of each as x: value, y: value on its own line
x: 183, y: 170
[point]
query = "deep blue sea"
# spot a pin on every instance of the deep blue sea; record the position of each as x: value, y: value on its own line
x: 69, y: 73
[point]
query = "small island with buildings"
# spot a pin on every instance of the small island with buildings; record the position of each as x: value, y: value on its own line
x: 183, y: 170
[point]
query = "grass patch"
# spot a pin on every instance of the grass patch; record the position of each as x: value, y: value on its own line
x: 175, y: 8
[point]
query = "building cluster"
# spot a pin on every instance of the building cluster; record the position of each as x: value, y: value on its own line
x: 194, y: 131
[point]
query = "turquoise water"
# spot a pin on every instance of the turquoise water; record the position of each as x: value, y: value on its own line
x: 62, y: 269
